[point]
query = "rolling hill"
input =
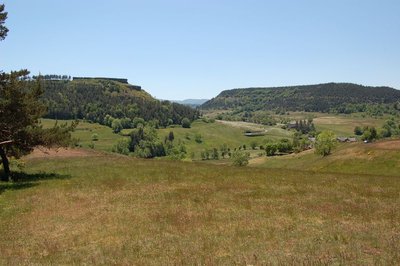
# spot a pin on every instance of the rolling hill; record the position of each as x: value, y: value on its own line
x: 94, y: 98
x: 313, y: 98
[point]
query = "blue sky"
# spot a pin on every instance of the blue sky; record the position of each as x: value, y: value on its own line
x: 179, y: 49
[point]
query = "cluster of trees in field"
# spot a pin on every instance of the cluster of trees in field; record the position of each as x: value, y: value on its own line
x: 144, y: 142
x: 98, y: 100
x: 238, y: 156
x: 330, y: 97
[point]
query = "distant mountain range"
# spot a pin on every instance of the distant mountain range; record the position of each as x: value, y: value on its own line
x: 191, y: 102
x: 312, y: 98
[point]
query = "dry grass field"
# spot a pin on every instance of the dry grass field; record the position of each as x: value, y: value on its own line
x: 116, y: 210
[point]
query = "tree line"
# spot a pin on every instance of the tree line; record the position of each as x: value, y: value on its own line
x: 51, y: 77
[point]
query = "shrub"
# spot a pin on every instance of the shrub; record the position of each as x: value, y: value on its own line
x: 126, y: 122
x: 171, y: 136
x: 370, y: 134
x: 358, y: 131
x: 138, y: 120
x: 214, y: 154
x: 95, y: 137
x: 185, y: 123
x: 122, y: 147
x: 240, y: 158
x: 116, y: 125
x: 205, y: 155
x: 271, y: 149
x: 177, y: 152
x: 284, y: 146
x: 198, y: 138
x: 253, y: 145
x: 224, y: 150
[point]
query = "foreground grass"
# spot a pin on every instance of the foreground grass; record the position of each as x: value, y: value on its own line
x: 107, y: 209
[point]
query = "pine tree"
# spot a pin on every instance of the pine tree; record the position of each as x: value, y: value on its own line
x: 3, y: 29
x: 20, y: 111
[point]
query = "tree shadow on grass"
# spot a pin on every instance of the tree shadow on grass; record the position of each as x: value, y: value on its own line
x: 22, y: 180
x: 29, y: 177
x: 15, y: 186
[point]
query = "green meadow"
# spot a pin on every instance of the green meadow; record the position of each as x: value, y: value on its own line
x: 84, y: 134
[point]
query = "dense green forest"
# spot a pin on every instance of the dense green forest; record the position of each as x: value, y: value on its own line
x: 97, y: 100
x: 330, y: 97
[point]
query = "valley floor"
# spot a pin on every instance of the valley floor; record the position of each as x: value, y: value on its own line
x: 100, y: 208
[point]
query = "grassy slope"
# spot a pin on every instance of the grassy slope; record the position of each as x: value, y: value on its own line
x: 380, y: 158
x: 84, y: 132
x: 109, y: 209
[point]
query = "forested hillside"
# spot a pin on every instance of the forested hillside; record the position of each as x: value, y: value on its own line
x: 94, y: 99
x: 336, y: 97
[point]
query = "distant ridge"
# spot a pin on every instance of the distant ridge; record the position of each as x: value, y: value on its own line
x: 191, y: 102
x: 313, y: 98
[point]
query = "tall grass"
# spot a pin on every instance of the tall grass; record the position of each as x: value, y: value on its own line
x: 107, y: 209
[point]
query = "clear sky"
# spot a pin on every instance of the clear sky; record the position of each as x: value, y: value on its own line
x: 177, y: 49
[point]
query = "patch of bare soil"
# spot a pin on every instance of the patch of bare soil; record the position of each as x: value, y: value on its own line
x: 60, y: 153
